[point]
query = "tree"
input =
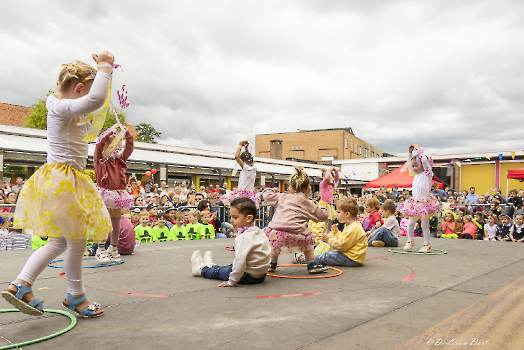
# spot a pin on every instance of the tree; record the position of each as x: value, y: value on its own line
x: 146, y: 133
x: 38, y: 117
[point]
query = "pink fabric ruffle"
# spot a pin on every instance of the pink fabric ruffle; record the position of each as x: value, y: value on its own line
x: 116, y: 199
x: 415, y: 208
x: 228, y: 198
x: 285, y: 242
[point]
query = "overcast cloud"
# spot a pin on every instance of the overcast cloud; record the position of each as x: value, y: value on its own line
x: 445, y: 74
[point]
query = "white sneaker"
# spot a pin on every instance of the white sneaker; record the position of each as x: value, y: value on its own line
x: 197, y: 263
x: 208, y: 259
x: 102, y: 256
x: 409, y: 245
x: 113, y: 254
x: 425, y: 249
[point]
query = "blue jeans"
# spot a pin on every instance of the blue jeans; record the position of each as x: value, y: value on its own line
x: 222, y: 273
x: 334, y: 258
x: 384, y: 235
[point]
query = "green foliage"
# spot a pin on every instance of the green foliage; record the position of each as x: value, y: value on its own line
x: 38, y: 117
x: 146, y: 133
x: 111, y: 120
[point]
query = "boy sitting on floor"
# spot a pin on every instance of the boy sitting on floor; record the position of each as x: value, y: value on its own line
x: 252, y: 250
x: 349, y: 246
x: 389, y: 233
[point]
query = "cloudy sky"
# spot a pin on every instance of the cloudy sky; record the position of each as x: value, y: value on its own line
x: 446, y: 74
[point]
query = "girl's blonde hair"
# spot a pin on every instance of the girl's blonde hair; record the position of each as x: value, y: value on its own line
x: 299, y: 181
x: 73, y: 73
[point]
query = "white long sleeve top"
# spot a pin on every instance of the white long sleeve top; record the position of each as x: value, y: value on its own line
x: 64, y: 136
x: 252, y: 250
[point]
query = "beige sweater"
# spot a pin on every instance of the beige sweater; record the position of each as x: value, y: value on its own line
x: 252, y: 250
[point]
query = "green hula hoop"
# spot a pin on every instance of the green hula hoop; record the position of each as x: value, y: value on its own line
x: 71, y: 326
x: 433, y: 252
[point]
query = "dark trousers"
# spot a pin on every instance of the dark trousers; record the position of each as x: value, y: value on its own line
x: 222, y: 273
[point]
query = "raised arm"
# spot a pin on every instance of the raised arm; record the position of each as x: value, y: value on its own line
x: 99, y: 149
x: 130, y: 145
x: 237, y: 154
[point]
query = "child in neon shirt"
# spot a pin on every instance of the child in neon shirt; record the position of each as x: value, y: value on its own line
x: 194, y: 228
x: 38, y: 241
x: 161, y: 231
x: 144, y: 231
x: 178, y: 231
x: 207, y: 229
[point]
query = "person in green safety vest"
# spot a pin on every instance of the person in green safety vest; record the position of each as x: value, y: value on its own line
x: 144, y: 231
x: 178, y: 231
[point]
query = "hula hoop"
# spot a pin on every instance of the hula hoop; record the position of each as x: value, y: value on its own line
x: 73, y: 324
x: 85, y: 267
x: 231, y: 249
x: 433, y: 252
x: 339, y: 272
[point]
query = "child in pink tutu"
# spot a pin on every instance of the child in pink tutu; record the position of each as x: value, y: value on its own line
x: 421, y: 206
x: 330, y: 178
x: 110, y: 169
x: 288, y: 230
x: 247, y: 177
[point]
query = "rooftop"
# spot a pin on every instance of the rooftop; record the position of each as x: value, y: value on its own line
x: 13, y: 114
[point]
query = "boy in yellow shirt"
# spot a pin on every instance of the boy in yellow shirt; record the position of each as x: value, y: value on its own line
x: 349, y: 246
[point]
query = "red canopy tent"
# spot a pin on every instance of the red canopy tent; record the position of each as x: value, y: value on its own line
x: 396, y: 178
x: 516, y: 174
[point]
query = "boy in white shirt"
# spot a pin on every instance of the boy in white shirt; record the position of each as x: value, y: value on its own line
x: 389, y: 234
x: 252, y: 250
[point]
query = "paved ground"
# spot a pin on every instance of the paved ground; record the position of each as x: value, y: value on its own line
x: 390, y: 300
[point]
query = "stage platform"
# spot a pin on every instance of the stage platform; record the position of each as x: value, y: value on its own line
x: 153, y: 302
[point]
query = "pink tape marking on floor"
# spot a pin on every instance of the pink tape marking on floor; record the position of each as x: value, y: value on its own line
x: 146, y: 295
x: 409, y: 277
x: 287, y: 295
x: 405, y: 279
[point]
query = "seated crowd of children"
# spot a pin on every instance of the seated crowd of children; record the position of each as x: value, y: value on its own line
x: 173, y: 226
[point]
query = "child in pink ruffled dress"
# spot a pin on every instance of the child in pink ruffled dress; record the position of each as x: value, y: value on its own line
x: 421, y: 206
x: 288, y: 230
x: 330, y: 178
x: 110, y: 169
x: 247, y: 177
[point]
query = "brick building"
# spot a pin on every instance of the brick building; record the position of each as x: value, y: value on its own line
x: 315, y: 145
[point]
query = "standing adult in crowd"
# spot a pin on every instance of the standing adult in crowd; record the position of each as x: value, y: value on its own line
x: 472, y: 197
x: 19, y: 184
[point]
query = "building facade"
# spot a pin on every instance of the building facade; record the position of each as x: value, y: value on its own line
x: 315, y: 145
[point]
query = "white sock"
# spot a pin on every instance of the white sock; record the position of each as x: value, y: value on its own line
x: 411, y: 229
x: 424, y: 223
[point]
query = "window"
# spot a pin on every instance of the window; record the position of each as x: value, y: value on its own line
x: 365, y: 152
x: 300, y: 147
x: 345, y: 143
x: 360, y: 150
x: 292, y: 148
x: 351, y: 146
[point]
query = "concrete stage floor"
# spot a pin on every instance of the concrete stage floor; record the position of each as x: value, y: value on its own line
x: 153, y: 302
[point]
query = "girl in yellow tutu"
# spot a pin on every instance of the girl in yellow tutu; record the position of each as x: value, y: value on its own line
x: 59, y: 201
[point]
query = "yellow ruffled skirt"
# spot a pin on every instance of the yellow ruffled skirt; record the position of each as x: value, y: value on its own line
x: 330, y: 208
x: 60, y: 201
